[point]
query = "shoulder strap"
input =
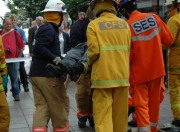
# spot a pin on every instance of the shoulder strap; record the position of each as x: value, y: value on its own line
x: 15, y: 33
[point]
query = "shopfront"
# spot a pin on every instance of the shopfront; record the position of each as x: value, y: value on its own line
x: 154, y: 6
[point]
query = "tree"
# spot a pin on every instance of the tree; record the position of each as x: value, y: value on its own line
x: 29, y: 8
x: 73, y: 6
x: 33, y: 8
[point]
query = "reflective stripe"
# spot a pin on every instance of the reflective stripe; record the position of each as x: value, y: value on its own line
x: 3, y: 65
x: 115, y: 47
x: 1, y: 87
x: 109, y: 82
x: 154, y: 124
x: 144, y: 129
x: 174, y: 70
x: 149, y: 37
x: 175, y: 106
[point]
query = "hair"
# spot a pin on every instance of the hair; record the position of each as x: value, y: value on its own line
x: 13, y: 16
x: 39, y: 17
x: 6, y: 19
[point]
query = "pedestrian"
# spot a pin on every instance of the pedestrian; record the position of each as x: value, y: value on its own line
x: 4, y: 108
x: 32, y: 31
x: 64, y: 41
x: 22, y: 70
x: 13, y: 48
x: 50, y: 95
x: 174, y: 57
x: 147, y: 71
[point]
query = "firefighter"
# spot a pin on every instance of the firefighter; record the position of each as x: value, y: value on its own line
x: 174, y: 57
x: 50, y: 97
x: 4, y: 108
x: 78, y: 53
x: 108, y: 39
x: 146, y: 64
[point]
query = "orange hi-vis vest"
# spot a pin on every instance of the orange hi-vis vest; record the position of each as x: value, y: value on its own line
x: 148, y: 32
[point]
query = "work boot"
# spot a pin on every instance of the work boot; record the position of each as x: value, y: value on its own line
x: 82, y: 121
x: 176, y: 123
x: 56, y: 71
x: 77, y: 70
x: 91, y: 121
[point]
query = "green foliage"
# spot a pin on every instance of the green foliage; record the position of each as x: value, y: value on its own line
x: 74, y: 6
x: 32, y: 8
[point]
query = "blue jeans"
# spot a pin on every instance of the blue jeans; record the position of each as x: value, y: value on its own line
x: 13, y: 72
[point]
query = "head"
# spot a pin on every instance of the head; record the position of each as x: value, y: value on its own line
x: 66, y: 25
x: 33, y: 23
x: 99, y: 6
x: 81, y: 15
x: 39, y: 20
x: 53, y: 11
x: 173, y: 7
x: 7, y: 24
x: 14, y: 19
x: 89, y: 14
x: 126, y: 7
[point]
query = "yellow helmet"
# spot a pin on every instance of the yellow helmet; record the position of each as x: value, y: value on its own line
x: 99, y: 6
x: 93, y: 2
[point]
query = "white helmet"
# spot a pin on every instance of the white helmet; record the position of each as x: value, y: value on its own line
x: 55, y: 5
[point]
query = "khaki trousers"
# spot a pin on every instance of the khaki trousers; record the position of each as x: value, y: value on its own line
x: 83, y: 95
x: 4, y: 113
x: 110, y: 108
x: 51, y: 102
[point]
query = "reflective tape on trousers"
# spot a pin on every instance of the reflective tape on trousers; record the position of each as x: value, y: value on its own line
x: 20, y: 59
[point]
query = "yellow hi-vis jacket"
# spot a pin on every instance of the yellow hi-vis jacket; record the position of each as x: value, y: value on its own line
x: 3, y: 68
x: 174, y: 56
x: 108, y: 39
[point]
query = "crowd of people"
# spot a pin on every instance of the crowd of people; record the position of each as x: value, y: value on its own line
x: 108, y: 57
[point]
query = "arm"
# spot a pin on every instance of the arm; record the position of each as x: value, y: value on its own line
x: 20, y: 45
x: 166, y: 35
x: 45, y: 37
x: 93, y: 46
x: 3, y: 67
x: 173, y: 27
x: 30, y: 39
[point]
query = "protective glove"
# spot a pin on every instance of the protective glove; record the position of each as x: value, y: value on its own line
x: 57, y: 60
x: 87, y: 68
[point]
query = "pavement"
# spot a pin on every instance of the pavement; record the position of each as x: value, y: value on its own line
x: 22, y: 112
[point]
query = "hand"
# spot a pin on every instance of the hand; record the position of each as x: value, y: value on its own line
x: 57, y: 60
